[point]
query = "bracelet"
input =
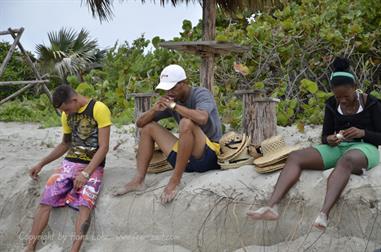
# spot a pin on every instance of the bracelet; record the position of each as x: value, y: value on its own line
x: 85, y: 174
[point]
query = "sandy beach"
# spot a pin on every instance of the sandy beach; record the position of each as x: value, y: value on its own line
x: 209, y: 213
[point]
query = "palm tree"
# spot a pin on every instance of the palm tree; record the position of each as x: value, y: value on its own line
x: 103, y: 8
x: 69, y: 53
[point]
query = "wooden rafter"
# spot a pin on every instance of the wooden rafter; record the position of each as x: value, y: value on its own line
x: 16, y: 35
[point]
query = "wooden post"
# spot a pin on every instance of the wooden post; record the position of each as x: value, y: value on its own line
x: 209, y: 32
x: 29, y: 61
x: 11, y: 50
x: 33, y: 82
x: 259, y: 115
x: 142, y: 104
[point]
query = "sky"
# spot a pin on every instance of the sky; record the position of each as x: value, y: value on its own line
x: 131, y: 20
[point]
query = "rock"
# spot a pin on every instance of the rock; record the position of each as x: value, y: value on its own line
x: 209, y: 213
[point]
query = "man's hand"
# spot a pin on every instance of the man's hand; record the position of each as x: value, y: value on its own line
x: 163, y: 103
x: 353, y: 132
x: 79, y: 181
x: 333, y: 140
x: 33, y: 173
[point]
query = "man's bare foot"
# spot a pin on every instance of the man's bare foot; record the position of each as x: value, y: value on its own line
x: 169, y: 192
x: 129, y: 187
x: 264, y: 213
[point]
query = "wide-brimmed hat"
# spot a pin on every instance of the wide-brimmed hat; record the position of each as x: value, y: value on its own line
x: 254, y: 151
x: 158, y: 162
x: 271, y: 168
x: 157, y: 158
x: 165, y: 167
x: 274, y: 150
x: 231, y: 145
x: 244, y: 158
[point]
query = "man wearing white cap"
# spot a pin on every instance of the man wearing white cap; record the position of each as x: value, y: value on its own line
x: 197, y: 147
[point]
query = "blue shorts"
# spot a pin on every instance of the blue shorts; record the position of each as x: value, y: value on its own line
x: 207, y: 162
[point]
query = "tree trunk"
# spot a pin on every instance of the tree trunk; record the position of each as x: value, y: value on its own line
x: 259, y: 116
x: 142, y: 104
x: 208, y: 33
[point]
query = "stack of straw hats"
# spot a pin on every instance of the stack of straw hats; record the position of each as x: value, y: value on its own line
x: 234, y: 151
x: 275, y: 153
x: 158, y: 162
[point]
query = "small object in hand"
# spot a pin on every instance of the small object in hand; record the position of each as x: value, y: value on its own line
x: 172, y: 105
x: 339, y: 136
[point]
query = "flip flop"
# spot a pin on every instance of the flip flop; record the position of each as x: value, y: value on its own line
x: 321, y: 221
x: 264, y: 213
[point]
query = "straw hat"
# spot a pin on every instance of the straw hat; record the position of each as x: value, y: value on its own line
x: 157, y: 158
x: 158, y: 169
x: 274, y: 150
x: 231, y: 144
x: 271, y: 168
x: 242, y: 159
x: 254, y: 151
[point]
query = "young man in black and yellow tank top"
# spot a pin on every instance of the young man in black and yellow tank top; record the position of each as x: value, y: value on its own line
x: 86, y: 133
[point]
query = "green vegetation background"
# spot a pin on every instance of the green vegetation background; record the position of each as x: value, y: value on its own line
x: 290, y: 56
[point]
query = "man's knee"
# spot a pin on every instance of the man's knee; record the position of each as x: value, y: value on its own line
x: 186, y: 125
x: 146, y: 129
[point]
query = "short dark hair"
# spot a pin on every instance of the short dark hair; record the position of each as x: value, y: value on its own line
x: 62, y: 94
x: 341, y: 74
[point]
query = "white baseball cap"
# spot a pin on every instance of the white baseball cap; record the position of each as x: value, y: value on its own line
x: 170, y: 76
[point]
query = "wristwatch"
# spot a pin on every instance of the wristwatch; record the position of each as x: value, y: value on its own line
x: 85, y: 174
x: 172, y: 105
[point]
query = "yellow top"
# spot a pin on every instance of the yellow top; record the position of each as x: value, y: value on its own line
x: 102, y: 116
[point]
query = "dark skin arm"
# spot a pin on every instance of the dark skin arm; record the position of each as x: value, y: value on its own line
x: 149, y: 115
x: 200, y: 117
x: 350, y: 133
x: 58, y: 151
x: 353, y: 132
x: 103, y: 142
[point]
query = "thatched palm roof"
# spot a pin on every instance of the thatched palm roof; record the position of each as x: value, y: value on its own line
x: 103, y: 8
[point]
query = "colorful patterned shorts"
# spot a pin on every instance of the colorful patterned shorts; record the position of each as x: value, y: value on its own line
x: 59, y: 190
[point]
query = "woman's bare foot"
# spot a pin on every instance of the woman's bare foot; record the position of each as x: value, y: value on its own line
x: 321, y: 221
x: 264, y: 213
x: 129, y: 187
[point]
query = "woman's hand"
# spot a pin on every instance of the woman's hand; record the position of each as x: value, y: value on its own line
x: 333, y: 140
x: 353, y: 132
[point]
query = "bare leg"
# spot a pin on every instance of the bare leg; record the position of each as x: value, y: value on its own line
x: 191, y: 142
x: 297, y: 161
x: 39, y: 223
x: 351, y: 162
x: 149, y: 134
x: 82, y: 225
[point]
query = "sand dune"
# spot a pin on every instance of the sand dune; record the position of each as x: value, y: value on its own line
x: 209, y: 214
